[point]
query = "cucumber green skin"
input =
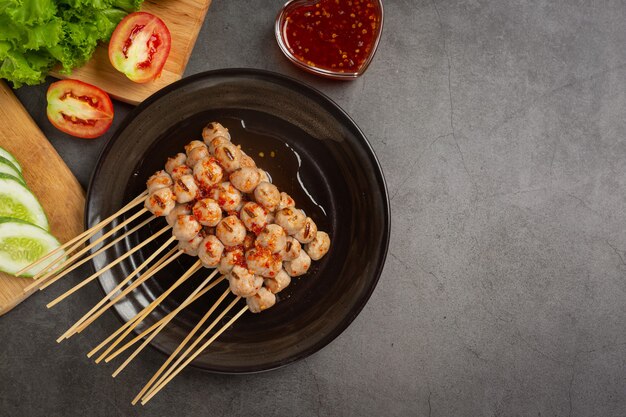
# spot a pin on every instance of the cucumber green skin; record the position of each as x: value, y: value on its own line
x: 7, y: 155
x: 13, y: 170
x: 10, y: 220
x: 45, y: 225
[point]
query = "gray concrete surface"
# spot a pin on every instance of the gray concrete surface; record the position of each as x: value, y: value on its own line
x: 501, y: 129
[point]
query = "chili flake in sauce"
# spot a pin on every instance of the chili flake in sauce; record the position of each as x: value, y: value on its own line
x: 337, y: 35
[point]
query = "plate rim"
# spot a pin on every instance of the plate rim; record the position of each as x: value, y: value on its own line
x: 362, y: 139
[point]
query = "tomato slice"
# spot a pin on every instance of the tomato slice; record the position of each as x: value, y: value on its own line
x: 79, y: 109
x: 139, y: 46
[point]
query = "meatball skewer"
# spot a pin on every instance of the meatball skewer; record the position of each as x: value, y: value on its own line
x: 225, y: 211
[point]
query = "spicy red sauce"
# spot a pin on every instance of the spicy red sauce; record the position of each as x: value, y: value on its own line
x: 336, y: 35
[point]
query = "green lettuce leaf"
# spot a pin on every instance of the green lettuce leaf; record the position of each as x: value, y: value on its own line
x: 31, y: 12
x: 36, y: 35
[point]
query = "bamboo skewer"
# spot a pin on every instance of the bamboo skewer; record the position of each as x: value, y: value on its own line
x: 180, y: 347
x: 126, y: 291
x: 162, y: 384
x: 45, y: 275
x: 169, y: 317
x: 100, y: 225
x: 55, y: 263
x: 202, y: 335
x: 87, y: 258
x: 71, y: 330
x: 106, y: 268
x: 111, y: 337
x: 165, y: 199
x: 162, y: 326
x: 134, y: 322
x: 144, y: 313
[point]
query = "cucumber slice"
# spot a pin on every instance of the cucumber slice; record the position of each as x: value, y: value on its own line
x: 17, y: 202
x: 22, y: 243
x: 7, y: 155
x: 6, y: 167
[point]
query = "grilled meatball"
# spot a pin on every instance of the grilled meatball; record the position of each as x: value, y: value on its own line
x: 208, y: 212
x: 181, y: 170
x: 227, y: 196
x: 232, y: 256
x: 160, y: 179
x: 178, y: 210
x: 160, y: 202
x: 253, y: 216
x: 265, y: 176
x: 229, y: 156
x: 263, y: 262
x: 210, y: 251
x: 246, y: 161
x: 208, y: 173
x: 279, y: 282
x: 175, y: 161
x: 273, y: 237
x: 190, y: 247
x: 216, y: 142
x: 308, y: 232
x: 186, y: 227
x: 285, y: 201
x: 291, y: 219
x: 185, y: 189
x: 260, y: 301
x: 196, y: 154
x: 267, y: 195
x: 213, y: 130
x: 192, y: 145
x: 291, y: 250
x: 243, y: 283
x: 231, y: 231
x: 319, y: 246
x: 245, y: 179
x: 298, y: 266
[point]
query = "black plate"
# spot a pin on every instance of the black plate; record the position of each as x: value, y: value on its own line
x: 313, y: 151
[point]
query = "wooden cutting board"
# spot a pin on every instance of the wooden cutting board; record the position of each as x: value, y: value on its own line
x: 184, y: 19
x: 48, y: 178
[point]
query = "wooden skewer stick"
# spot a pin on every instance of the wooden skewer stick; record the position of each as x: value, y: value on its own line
x: 169, y: 317
x: 192, y: 357
x: 162, y: 326
x: 199, y: 338
x: 182, y: 345
x: 111, y: 337
x: 59, y: 263
x: 71, y: 330
x: 129, y: 326
x: 47, y: 282
x: 70, y: 242
x: 56, y: 261
x: 135, y: 284
x: 106, y: 268
x: 144, y: 313
x: 143, y: 278
x: 43, y: 275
